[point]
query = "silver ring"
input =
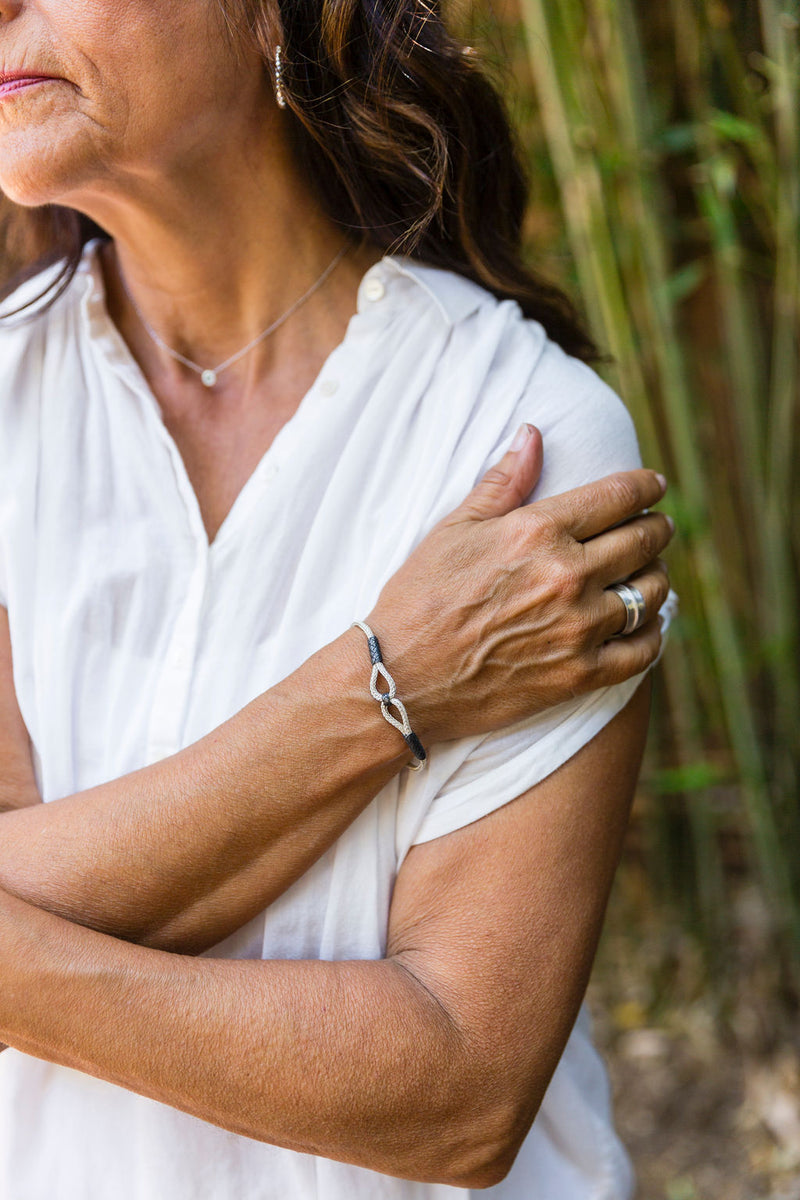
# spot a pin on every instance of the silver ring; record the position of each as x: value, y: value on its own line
x: 635, y: 607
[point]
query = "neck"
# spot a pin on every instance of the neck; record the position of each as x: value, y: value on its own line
x: 213, y: 253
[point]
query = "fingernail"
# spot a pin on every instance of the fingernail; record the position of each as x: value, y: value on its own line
x: 661, y: 479
x: 670, y: 523
x: 521, y: 436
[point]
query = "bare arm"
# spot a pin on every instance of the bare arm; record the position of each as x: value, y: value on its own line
x: 429, y: 1064
x: 17, y: 780
x: 182, y: 853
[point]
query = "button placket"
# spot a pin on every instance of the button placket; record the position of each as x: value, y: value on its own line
x: 168, y: 714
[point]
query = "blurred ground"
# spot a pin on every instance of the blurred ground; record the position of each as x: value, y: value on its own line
x: 704, y: 1057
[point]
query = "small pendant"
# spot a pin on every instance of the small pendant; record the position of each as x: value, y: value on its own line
x: 208, y: 378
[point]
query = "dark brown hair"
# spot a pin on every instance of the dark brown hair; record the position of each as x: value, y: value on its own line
x: 402, y: 135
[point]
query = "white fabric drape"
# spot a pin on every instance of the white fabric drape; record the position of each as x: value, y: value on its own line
x: 133, y: 637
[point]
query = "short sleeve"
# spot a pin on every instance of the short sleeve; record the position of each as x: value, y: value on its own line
x: 587, y: 433
x: 505, y: 764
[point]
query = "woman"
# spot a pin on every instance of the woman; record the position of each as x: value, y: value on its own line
x: 212, y: 467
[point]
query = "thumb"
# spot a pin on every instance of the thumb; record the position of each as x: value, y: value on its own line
x: 506, y: 485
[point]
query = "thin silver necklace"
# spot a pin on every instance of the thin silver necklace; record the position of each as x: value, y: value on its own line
x: 209, y: 375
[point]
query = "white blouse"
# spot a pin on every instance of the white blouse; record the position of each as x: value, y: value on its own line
x: 132, y: 637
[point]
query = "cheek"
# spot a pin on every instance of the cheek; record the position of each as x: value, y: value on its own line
x: 151, y: 87
x: 159, y: 74
x: 52, y: 134
x: 68, y: 136
x: 44, y: 142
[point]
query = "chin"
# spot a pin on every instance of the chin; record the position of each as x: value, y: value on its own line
x: 39, y: 167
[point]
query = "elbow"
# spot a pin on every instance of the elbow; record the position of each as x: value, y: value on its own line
x: 483, y: 1165
x: 486, y: 1175
x: 484, y: 1147
x: 473, y: 1102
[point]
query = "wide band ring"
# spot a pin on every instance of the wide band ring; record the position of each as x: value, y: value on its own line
x: 635, y: 607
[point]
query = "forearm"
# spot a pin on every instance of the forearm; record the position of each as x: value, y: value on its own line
x: 352, y: 1060
x: 180, y: 854
x: 429, y: 1064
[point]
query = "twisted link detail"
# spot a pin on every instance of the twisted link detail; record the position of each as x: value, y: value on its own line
x: 389, y: 699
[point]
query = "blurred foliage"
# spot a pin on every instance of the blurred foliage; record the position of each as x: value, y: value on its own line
x: 663, y: 146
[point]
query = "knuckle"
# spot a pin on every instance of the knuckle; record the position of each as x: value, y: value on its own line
x: 508, y: 543
x: 541, y: 523
x: 624, y: 493
x: 665, y: 531
x: 656, y: 578
x: 647, y: 534
x: 662, y: 588
x: 567, y: 580
x: 497, y: 477
x: 516, y: 526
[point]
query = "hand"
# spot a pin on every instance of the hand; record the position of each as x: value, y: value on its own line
x: 503, y: 610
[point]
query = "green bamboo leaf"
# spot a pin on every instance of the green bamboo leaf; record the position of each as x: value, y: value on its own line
x: 735, y: 129
x: 685, y: 282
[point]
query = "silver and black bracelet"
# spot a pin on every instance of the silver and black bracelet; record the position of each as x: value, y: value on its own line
x: 389, y: 698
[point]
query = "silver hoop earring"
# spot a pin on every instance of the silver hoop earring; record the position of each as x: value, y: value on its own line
x: 279, y: 93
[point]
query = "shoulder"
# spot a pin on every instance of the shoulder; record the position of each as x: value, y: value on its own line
x: 586, y: 428
x: 499, y: 369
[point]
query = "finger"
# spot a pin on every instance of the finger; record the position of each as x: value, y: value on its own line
x: 625, y: 657
x: 595, y: 507
x: 653, y: 583
x: 623, y: 551
x: 506, y: 485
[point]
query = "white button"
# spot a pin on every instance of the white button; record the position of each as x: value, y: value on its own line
x: 374, y: 289
x: 329, y: 387
x: 271, y: 471
x: 180, y: 659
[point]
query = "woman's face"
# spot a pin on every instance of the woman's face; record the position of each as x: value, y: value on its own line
x: 128, y: 90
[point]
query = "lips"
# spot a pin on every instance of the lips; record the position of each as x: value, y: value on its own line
x: 14, y: 81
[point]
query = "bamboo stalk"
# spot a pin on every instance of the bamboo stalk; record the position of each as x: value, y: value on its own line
x: 780, y: 26
x: 627, y: 298
x: 773, y: 592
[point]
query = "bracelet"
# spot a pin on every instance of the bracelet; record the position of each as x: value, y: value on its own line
x: 387, y: 699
